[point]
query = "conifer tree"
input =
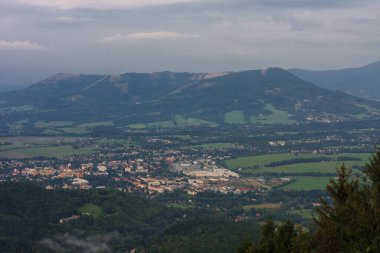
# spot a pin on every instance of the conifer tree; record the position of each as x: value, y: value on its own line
x: 285, y: 237
x: 337, y: 217
x: 267, y: 242
x: 371, y: 208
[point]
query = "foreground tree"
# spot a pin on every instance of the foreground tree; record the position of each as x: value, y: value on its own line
x: 370, y: 208
x: 337, y: 214
x: 284, y: 238
x: 350, y: 221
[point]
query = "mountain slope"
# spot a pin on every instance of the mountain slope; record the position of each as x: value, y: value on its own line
x: 363, y: 81
x: 269, y: 96
x: 252, y: 91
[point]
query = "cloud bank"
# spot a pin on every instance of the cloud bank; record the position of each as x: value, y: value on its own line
x: 147, y: 36
x: 117, y: 36
x: 19, y: 45
x: 100, y: 4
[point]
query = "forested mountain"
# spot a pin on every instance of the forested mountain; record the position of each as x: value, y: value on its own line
x: 363, y: 82
x: 255, y: 97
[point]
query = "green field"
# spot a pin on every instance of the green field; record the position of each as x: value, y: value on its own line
x: 163, y: 124
x: 48, y: 151
x: 262, y: 160
x: 276, y: 117
x: 317, y: 167
x: 181, y: 206
x: 137, y: 126
x: 178, y: 121
x: 181, y: 121
x: 95, y: 124
x: 113, y: 141
x: 215, y: 146
x: 52, y: 124
x: 305, y: 213
x: 52, y: 132
x: 74, y: 130
x: 234, y: 117
x: 68, y: 127
x: 308, y: 183
x: 33, y: 146
x: 91, y: 209
x: 22, y: 108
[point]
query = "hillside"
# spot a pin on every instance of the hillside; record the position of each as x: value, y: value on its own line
x: 110, y: 221
x: 166, y: 99
x: 363, y: 82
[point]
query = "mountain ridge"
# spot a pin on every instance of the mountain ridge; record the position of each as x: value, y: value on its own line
x: 270, y: 96
x: 362, y: 81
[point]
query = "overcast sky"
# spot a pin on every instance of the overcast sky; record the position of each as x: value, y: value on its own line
x: 39, y: 38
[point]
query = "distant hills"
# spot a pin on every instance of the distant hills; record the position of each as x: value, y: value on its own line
x: 363, y: 82
x: 167, y: 99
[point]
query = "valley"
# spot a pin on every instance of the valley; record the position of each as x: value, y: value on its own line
x: 242, y: 146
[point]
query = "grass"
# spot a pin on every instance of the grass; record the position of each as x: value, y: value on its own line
x: 234, y: 117
x: 361, y: 116
x: 75, y: 130
x: 276, y: 117
x: 33, y: 139
x: 263, y: 206
x: 262, y: 160
x: 362, y: 156
x: 286, y: 133
x: 52, y: 124
x: 307, y: 183
x: 91, y: 209
x: 95, y: 124
x: 67, y: 127
x: 48, y: 151
x: 162, y: 124
x: 178, y: 121
x: 34, y: 146
x: 137, y: 126
x: 215, y: 146
x: 305, y: 213
x: 256, y: 165
x: 113, y: 141
x: 22, y: 108
x: 181, y: 121
x: 317, y: 167
x: 52, y: 132
x: 344, y: 147
x: 180, y: 206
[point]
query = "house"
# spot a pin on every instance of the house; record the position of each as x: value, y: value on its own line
x: 68, y: 219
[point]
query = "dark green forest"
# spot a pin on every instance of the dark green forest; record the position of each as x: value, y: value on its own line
x: 29, y: 222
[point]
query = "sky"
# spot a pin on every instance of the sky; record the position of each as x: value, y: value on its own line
x: 39, y: 38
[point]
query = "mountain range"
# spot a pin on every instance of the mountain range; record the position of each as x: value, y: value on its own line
x: 271, y: 96
x: 363, y: 81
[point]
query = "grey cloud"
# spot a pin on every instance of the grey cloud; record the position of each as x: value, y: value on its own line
x: 203, y: 36
x: 308, y: 4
